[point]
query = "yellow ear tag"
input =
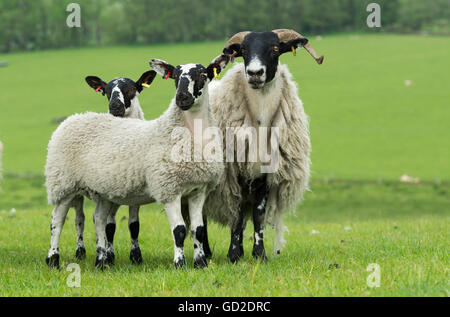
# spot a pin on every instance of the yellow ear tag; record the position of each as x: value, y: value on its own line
x: 294, y: 52
x: 145, y: 85
x: 215, y: 73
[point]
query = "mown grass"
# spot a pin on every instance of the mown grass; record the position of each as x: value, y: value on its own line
x: 403, y: 228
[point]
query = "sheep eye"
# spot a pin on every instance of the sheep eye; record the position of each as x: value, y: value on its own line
x: 276, y: 49
x: 243, y: 51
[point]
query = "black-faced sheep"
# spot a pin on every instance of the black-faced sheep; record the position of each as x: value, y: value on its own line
x: 261, y: 94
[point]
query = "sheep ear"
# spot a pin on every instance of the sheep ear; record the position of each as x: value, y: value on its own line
x: 233, y: 49
x: 295, y: 44
x: 97, y: 84
x: 219, y: 64
x: 145, y: 80
x: 164, y: 69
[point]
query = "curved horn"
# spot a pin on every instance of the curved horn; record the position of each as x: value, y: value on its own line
x: 237, y: 38
x: 286, y: 35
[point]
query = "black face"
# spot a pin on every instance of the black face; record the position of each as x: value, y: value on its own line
x: 261, y: 52
x: 121, y: 91
x: 190, y: 79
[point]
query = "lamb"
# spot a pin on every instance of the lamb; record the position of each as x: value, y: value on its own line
x: 128, y: 162
x: 122, y: 94
x: 261, y: 94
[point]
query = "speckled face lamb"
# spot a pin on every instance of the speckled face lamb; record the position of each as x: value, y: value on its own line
x: 190, y: 79
x: 121, y: 92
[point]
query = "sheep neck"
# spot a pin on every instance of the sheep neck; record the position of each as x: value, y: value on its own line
x: 199, y: 111
x: 263, y: 103
x: 135, y: 110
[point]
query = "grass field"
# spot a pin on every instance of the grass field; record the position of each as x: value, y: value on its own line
x: 367, y: 128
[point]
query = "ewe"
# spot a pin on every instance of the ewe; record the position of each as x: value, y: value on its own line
x: 122, y: 94
x: 261, y: 94
x: 129, y: 162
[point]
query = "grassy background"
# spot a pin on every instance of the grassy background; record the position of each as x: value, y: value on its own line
x: 367, y: 128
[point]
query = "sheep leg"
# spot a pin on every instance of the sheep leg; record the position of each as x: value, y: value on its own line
x: 259, y: 211
x: 110, y: 232
x: 197, y: 228
x: 173, y: 211
x: 133, y: 225
x: 78, y: 203
x: 206, y: 248
x: 58, y: 218
x: 236, y: 250
x: 100, y: 218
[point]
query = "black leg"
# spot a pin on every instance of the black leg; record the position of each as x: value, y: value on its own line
x: 206, y: 247
x: 259, y: 211
x: 236, y: 250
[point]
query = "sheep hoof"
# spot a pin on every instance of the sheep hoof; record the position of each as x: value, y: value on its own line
x: 200, y: 262
x: 261, y: 256
x: 235, y: 254
x: 110, y: 257
x: 180, y: 262
x: 101, y: 261
x: 136, y: 256
x: 53, y: 261
x: 80, y: 253
x: 208, y: 253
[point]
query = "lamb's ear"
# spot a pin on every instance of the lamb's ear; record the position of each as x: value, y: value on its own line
x: 145, y: 80
x: 293, y: 44
x: 233, y: 50
x: 97, y: 84
x: 217, y: 65
x: 164, y: 69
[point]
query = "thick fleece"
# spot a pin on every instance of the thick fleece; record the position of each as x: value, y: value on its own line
x: 231, y: 99
x: 98, y: 154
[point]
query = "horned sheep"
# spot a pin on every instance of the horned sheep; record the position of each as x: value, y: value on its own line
x: 128, y: 162
x: 261, y: 93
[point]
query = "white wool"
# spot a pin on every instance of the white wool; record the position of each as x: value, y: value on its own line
x: 125, y: 161
x: 235, y: 104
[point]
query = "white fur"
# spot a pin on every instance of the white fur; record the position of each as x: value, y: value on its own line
x: 235, y: 104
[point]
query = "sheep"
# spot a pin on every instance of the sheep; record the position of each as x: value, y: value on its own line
x: 261, y: 93
x: 122, y: 94
x: 129, y: 162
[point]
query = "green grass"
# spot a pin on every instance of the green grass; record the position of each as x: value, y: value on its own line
x: 403, y: 228
x: 366, y: 126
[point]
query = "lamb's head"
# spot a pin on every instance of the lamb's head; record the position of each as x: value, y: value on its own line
x: 191, y: 80
x: 261, y: 51
x: 121, y: 92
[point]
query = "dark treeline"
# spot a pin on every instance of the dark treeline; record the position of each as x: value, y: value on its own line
x: 41, y: 24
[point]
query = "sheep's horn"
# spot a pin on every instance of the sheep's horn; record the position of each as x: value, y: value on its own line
x: 286, y: 35
x: 237, y: 38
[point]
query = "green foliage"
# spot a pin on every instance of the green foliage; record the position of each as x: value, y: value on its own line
x: 41, y: 24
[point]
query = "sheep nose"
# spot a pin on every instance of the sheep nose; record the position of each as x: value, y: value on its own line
x: 253, y: 73
x: 184, y: 100
x: 117, y: 109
